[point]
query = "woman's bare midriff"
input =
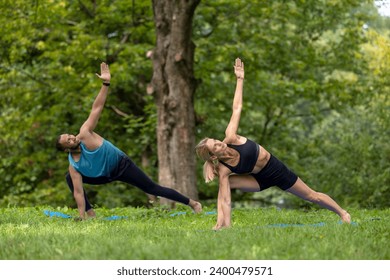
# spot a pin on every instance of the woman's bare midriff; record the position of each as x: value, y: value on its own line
x: 262, y: 160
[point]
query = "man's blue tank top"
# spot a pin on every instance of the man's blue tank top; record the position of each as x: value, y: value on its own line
x: 99, y: 162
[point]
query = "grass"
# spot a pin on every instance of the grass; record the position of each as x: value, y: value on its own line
x: 160, y: 234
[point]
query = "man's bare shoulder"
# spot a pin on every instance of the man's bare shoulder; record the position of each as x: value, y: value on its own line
x: 91, y: 140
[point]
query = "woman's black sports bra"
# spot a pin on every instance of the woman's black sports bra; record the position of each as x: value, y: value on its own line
x: 249, y: 152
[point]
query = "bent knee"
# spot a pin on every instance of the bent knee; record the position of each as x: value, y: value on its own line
x: 233, y: 181
x: 244, y: 183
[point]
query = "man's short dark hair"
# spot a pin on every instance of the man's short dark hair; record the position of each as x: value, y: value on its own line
x: 59, y: 147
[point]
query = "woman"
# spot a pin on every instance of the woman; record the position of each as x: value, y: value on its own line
x: 243, y: 164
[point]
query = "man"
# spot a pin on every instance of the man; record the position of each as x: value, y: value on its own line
x: 94, y: 160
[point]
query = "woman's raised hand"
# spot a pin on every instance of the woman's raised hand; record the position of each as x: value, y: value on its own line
x: 239, y: 68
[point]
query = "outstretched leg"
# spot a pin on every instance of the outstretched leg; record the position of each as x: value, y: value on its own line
x: 303, y: 191
x: 136, y: 177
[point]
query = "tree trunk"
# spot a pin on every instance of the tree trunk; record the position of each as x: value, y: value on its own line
x: 173, y: 86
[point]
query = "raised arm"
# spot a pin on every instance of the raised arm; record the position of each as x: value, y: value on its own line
x: 98, y: 105
x: 231, y: 130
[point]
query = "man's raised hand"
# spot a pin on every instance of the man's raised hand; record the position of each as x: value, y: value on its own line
x: 105, y: 72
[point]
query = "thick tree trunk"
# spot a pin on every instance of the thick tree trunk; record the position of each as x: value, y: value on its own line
x: 173, y: 85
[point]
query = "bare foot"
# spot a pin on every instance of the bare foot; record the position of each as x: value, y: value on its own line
x: 346, y: 218
x: 196, y: 206
x: 219, y: 227
x: 91, y: 213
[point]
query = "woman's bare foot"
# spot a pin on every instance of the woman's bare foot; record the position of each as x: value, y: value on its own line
x: 196, y: 206
x: 219, y: 227
x: 346, y: 218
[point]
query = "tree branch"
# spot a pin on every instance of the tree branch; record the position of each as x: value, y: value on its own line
x: 119, y: 112
x: 86, y: 10
x: 27, y: 74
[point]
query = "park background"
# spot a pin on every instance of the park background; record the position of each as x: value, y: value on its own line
x: 316, y: 93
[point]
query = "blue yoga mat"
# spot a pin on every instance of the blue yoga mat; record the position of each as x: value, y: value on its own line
x: 56, y: 214
x: 177, y: 214
x: 321, y: 224
x: 65, y: 216
x: 183, y: 213
x: 113, y: 218
x: 297, y: 225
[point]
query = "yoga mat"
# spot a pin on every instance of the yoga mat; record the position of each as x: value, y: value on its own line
x: 113, y: 218
x: 65, y: 216
x: 321, y: 224
x: 56, y: 214
x: 183, y: 213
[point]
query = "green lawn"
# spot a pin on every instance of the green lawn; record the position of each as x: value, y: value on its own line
x: 158, y: 234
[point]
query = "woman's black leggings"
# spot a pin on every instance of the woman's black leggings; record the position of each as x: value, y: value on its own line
x: 129, y: 172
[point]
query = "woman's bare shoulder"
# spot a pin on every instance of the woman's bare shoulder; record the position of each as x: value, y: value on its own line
x: 235, y: 140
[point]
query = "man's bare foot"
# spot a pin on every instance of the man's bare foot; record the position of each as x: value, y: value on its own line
x: 91, y: 213
x: 346, y: 218
x: 196, y: 206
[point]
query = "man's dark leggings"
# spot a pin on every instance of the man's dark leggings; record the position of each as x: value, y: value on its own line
x: 129, y: 172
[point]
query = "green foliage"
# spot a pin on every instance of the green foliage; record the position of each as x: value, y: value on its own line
x: 343, y: 163
x: 316, y: 72
x: 151, y: 234
x: 50, y: 52
x: 305, y: 61
x: 349, y: 150
x: 295, y: 52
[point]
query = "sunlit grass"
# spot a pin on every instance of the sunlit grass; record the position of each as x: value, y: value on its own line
x: 160, y: 234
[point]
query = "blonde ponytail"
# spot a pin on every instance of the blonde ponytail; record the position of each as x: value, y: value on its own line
x: 210, y: 167
x: 209, y: 171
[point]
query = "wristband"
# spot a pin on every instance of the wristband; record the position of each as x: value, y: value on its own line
x: 106, y: 84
